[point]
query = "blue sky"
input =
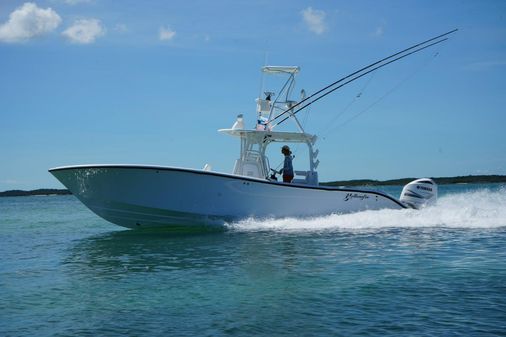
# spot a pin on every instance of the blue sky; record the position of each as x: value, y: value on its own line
x: 150, y: 82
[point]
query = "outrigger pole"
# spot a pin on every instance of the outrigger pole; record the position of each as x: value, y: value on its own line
x: 372, y: 67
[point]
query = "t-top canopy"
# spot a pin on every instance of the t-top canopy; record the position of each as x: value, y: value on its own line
x: 281, y: 69
x: 278, y: 136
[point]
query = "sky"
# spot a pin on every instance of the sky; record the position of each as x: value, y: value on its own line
x: 151, y: 82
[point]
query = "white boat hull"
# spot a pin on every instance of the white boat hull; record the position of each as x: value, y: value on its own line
x: 152, y: 196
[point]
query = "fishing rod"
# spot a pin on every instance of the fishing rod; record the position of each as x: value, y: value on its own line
x: 356, y: 78
x: 360, y: 70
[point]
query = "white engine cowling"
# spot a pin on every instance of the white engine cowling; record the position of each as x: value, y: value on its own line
x: 419, y: 193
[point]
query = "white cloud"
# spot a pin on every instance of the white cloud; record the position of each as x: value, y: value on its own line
x: 166, y: 34
x: 10, y: 182
x: 379, y: 31
x: 315, y: 20
x: 28, y: 21
x: 84, y: 31
x: 485, y: 65
x: 121, y: 28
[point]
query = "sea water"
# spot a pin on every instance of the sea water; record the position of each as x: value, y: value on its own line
x: 440, y: 271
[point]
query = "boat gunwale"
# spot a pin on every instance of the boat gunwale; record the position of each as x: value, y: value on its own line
x: 227, y: 175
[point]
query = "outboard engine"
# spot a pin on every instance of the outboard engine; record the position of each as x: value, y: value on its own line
x: 419, y: 193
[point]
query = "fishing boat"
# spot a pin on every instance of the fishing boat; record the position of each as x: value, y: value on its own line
x: 137, y: 196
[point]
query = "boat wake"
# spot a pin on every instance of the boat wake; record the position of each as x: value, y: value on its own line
x: 477, y: 209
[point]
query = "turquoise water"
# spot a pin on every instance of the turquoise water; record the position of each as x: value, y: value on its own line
x: 440, y: 271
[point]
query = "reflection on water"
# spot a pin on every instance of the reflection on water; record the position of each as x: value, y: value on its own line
x: 148, y: 251
x: 123, y: 252
x: 120, y: 253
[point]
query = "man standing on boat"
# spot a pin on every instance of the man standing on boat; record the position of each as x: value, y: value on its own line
x: 287, y: 167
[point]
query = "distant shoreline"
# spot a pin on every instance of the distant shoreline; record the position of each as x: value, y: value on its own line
x: 41, y: 191
x: 481, y: 179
